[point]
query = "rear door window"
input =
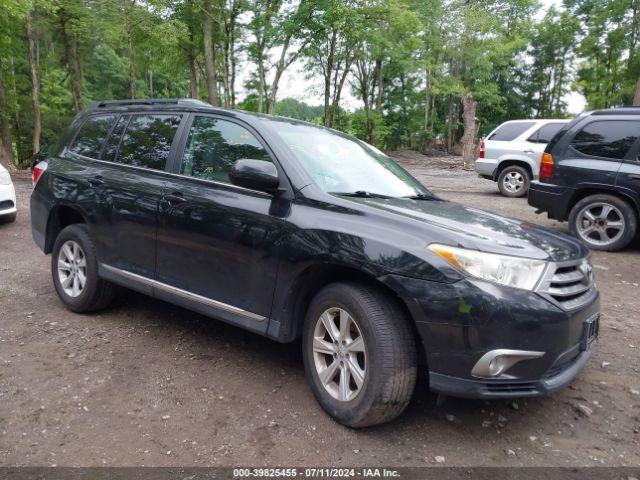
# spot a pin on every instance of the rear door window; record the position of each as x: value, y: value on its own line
x: 111, y: 148
x: 607, y: 139
x: 92, y: 135
x: 146, y: 141
x: 510, y: 131
x: 545, y: 133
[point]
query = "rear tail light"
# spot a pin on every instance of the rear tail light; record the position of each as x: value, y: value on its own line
x: 37, y: 172
x: 546, y: 166
x: 481, y: 153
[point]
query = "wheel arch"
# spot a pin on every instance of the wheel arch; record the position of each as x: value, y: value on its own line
x: 61, y: 216
x: 511, y: 162
x: 315, y: 277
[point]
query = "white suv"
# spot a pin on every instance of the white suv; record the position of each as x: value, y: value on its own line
x: 511, y: 153
x: 7, y: 197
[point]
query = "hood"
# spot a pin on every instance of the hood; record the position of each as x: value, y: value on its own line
x: 454, y: 224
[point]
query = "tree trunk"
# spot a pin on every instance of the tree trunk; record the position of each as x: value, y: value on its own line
x: 35, y: 89
x: 73, y: 62
x: 193, y: 75
x: 209, y: 55
x: 450, y: 125
x: 427, y: 101
x: 636, y: 97
x: 469, y: 137
x: 261, y: 82
x: 17, y: 121
x: 379, y: 85
x: 328, y: 72
x: 6, y: 149
x: 132, y: 66
x: 280, y: 66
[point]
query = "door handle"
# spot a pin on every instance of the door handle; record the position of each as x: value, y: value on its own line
x: 175, y: 198
x: 634, y: 177
x: 96, y: 181
x: 527, y: 151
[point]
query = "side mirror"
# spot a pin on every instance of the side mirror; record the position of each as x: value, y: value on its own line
x: 255, y: 175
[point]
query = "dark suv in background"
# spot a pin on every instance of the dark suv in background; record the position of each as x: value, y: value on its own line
x: 298, y: 232
x: 590, y: 176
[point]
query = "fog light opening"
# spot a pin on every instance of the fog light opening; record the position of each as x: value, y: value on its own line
x: 494, y: 363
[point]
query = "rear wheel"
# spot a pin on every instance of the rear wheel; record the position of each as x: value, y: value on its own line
x: 603, y: 222
x: 74, y: 268
x: 359, y: 354
x: 514, y: 181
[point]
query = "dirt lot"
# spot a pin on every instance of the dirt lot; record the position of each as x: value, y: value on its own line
x: 146, y: 383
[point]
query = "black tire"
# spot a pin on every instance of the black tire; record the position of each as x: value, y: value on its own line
x: 391, y: 367
x: 625, y: 210
x: 97, y: 293
x: 9, y: 218
x: 514, y: 170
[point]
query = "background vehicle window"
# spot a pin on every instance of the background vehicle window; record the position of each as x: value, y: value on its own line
x: 610, y: 139
x: 545, y: 133
x: 147, y: 140
x: 92, y: 135
x: 213, y: 147
x: 510, y: 131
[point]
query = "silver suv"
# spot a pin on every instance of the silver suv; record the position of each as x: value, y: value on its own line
x: 511, y: 153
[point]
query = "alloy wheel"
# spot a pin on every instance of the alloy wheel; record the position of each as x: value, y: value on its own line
x: 600, y: 224
x: 339, y: 354
x: 72, y: 268
x: 513, y: 182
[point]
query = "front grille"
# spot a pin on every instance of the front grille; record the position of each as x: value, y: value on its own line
x: 569, y: 284
x: 6, y: 204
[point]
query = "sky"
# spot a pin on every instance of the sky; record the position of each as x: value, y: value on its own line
x: 294, y: 83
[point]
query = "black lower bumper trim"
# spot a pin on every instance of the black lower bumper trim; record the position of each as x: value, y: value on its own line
x: 476, y: 388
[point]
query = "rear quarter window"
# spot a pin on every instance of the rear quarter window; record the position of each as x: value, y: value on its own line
x: 510, y: 131
x: 545, y: 133
x: 607, y: 138
x: 92, y: 134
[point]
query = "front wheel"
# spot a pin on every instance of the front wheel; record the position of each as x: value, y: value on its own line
x: 359, y: 354
x: 603, y: 222
x: 514, y: 181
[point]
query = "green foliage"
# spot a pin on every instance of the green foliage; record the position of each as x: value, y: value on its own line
x: 407, y: 62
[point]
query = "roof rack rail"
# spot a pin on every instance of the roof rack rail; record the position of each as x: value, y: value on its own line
x: 623, y: 110
x: 151, y: 101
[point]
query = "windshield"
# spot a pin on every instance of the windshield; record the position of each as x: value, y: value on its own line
x: 343, y: 165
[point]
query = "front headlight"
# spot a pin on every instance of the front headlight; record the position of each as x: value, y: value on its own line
x: 5, y: 178
x: 506, y: 270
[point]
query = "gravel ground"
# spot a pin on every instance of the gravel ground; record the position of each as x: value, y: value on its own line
x: 147, y: 383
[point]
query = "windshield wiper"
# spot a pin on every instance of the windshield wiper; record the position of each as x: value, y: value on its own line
x: 420, y: 196
x: 360, y: 194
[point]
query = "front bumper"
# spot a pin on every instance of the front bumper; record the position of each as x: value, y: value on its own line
x: 486, y: 388
x: 460, y: 322
x: 553, y: 199
x: 7, y: 200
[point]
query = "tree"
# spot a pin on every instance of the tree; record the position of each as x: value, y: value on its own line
x: 334, y: 29
x: 609, y: 47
